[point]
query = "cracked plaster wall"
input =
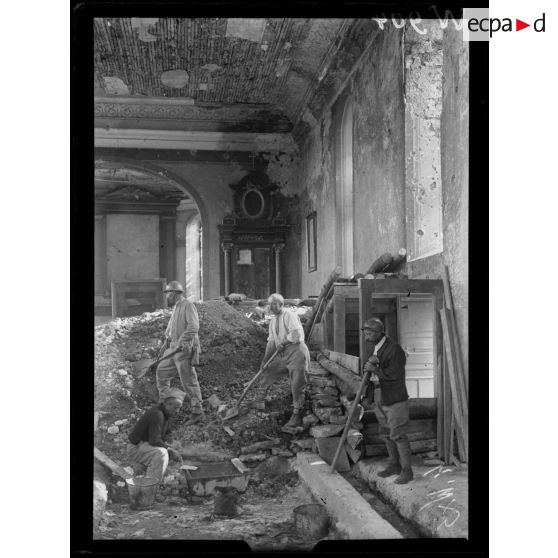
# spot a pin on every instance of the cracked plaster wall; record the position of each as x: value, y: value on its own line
x: 378, y: 165
x: 379, y: 169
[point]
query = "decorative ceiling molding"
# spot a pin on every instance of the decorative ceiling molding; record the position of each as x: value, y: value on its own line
x: 205, y: 141
x: 133, y: 193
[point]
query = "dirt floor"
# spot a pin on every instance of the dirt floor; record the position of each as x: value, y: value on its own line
x: 265, y: 522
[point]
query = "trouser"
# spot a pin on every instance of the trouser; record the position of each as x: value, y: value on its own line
x: 179, y: 364
x: 154, y: 458
x: 393, y: 422
x: 294, y: 361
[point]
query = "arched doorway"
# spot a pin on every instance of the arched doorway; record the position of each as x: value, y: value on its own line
x: 144, y: 223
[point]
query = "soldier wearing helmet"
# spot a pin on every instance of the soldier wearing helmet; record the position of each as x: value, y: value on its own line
x: 181, y: 333
x: 389, y: 392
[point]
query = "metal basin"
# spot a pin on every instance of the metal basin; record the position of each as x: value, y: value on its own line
x: 209, y: 476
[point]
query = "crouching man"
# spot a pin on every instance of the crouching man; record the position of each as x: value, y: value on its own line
x: 286, y: 336
x: 150, y: 438
x: 391, y: 406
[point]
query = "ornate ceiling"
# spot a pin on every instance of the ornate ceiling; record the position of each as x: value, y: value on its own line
x: 267, y: 68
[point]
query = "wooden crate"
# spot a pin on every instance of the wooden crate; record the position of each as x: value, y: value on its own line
x: 132, y: 298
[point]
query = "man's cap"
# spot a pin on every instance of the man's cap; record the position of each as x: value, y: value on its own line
x: 174, y: 286
x: 373, y: 323
x: 175, y: 393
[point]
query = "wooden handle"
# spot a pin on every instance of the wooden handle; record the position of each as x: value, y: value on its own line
x: 365, y: 380
x: 256, y: 377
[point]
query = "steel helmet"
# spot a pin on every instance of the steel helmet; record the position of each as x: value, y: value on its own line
x: 174, y: 286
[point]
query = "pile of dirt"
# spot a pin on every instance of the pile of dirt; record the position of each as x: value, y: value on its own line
x: 232, y: 349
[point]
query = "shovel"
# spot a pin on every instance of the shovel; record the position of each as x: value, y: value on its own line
x: 143, y: 366
x: 233, y: 412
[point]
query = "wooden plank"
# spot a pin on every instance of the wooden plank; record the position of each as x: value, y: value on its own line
x: 415, y: 425
x: 348, y: 290
x: 420, y: 446
x: 448, y: 418
x: 114, y: 467
x: 339, y: 341
x: 453, y: 324
x: 348, y: 361
x: 412, y: 436
x: 462, y: 390
x: 440, y: 412
x: 461, y: 414
x: 325, y: 289
x: 351, y: 380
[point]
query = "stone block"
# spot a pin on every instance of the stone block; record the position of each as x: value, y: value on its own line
x: 326, y: 430
x: 352, y: 515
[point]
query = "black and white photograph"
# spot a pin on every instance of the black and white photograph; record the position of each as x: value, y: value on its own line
x: 281, y: 279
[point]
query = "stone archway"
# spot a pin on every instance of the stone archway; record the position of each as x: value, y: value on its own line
x: 174, y: 236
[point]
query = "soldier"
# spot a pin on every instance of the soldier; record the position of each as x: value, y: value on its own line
x: 286, y: 335
x: 391, y: 405
x: 182, y: 333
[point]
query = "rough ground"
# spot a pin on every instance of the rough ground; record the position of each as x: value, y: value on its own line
x: 232, y: 349
x: 264, y: 522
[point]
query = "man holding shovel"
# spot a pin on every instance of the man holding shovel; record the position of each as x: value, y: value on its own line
x: 181, y: 334
x: 389, y: 393
x: 286, y: 335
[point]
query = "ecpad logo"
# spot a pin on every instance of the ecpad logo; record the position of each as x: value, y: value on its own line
x: 478, y: 26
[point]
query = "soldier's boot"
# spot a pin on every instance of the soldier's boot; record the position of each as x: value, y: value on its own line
x: 393, y: 467
x: 404, y: 449
x: 296, y: 419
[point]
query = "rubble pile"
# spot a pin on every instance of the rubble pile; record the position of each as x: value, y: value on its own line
x: 232, y: 350
x: 329, y: 405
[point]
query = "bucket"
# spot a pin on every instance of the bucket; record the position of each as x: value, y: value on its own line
x: 224, y: 503
x: 311, y: 521
x: 142, y: 492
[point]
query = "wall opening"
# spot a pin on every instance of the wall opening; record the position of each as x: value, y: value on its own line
x: 193, y: 263
x: 343, y: 125
x: 145, y: 222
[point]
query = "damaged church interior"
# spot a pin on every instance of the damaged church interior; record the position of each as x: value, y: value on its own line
x: 321, y: 160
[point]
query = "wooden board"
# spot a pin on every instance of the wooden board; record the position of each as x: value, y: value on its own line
x: 462, y: 373
x: 327, y: 448
x: 412, y: 436
x: 108, y: 462
x: 461, y: 413
x: 419, y: 408
x: 421, y: 446
x: 417, y: 425
x: 339, y: 329
x: 348, y: 361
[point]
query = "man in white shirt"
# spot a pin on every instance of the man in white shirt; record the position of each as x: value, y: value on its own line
x: 286, y: 335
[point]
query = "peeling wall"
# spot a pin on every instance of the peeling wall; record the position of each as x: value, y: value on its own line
x: 378, y: 165
x: 455, y: 176
x: 423, y: 107
x: 378, y: 151
x: 380, y: 138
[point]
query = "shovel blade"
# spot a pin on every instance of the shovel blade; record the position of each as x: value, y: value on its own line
x: 142, y: 366
x: 231, y: 413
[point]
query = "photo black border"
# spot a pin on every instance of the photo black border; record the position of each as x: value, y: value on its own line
x: 82, y: 277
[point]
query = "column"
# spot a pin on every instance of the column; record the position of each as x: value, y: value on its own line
x: 227, y: 247
x: 278, y: 249
x: 101, y: 255
x: 167, y: 250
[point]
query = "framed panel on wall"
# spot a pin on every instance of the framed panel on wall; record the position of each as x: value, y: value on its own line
x: 311, y: 241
